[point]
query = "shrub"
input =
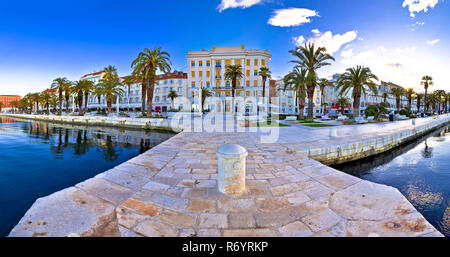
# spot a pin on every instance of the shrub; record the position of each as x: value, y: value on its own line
x: 372, y: 110
x: 123, y: 114
x: 407, y: 112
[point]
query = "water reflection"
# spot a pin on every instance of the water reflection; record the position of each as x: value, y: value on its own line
x: 420, y: 170
x: 40, y: 158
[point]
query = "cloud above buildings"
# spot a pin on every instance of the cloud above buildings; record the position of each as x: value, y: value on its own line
x: 226, y: 4
x: 433, y: 42
x: 291, y: 17
x: 416, y: 6
x: 331, y: 42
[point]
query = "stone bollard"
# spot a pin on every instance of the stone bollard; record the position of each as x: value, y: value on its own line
x: 231, y: 169
x: 413, y: 122
x: 333, y: 132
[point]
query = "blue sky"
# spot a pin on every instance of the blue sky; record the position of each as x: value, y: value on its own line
x: 401, y: 40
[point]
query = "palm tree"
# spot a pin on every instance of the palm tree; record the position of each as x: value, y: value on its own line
x: 357, y: 79
x: 398, y: 92
x: 297, y: 81
x: 419, y: 97
x: 45, y: 99
x: 322, y: 84
x: 447, y: 101
x: 78, y: 90
x: 432, y: 100
x: 54, y: 101
x: 427, y: 81
x: 14, y: 105
x: 205, y: 94
x: 385, y: 96
x: 172, y: 95
x: 111, y: 89
x: 145, y: 67
x: 67, y: 92
x: 98, y: 92
x: 264, y: 72
x: 88, y: 88
x: 35, y: 98
x: 58, y: 84
x: 233, y: 72
x: 1, y: 106
x: 409, y: 95
x: 342, y: 102
x: 129, y: 80
x: 440, y: 95
x: 311, y: 59
x: 110, y: 72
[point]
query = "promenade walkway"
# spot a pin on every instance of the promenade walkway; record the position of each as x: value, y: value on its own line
x: 171, y: 189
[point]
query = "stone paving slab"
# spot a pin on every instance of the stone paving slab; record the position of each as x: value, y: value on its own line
x: 171, y: 191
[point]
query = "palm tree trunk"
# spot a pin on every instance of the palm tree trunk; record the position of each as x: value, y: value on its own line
x: 108, y: 102
x: 311, y: 102
x: 60, y: 102
x: 85, y: 101
x: 426, y: 106
x: 264, y: 91
x: 143, y: 95
x: 356, y: 104
x: 150, y: 89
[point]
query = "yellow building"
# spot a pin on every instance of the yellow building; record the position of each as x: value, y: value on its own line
x: 206, y: 69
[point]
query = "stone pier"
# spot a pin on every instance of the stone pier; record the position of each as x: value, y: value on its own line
x: 171, y: 190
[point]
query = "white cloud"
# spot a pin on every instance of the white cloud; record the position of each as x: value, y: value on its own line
x: 416, y: 6
x: 225, y: 4
x: 411, y: 49
x: 291, y: 17
x: 416, y: 25
x: 331, y: 42
x: 433, y: 42
x: 347, y: 53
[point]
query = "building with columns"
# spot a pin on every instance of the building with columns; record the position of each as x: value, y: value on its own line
x: 206, y: 69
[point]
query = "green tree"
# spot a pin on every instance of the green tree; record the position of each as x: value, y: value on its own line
x: 357, y: 79
x: 398, y: 92
x: 67, y: 92
x: 427, y: 81
x: 145, y: 66
x: 409, y: 93
x: 54, y: 101
x: 59, y: 85
x: 45, y: 99
x: 343, y: 102
x: 233, y: 73
x: 172, y: 95
x: 323, y: 83
x: 419, y: 97
x: 440, y: 97
x: 385, y: 97
x: 35, y: 99
x: 98, y: 92
x: 311, y: 59
x: 265, y: 73
x: 88, y: 88
x: 205, y: 94
x: 111, y: 90
x: 78, y: 92
x: 296, y: 81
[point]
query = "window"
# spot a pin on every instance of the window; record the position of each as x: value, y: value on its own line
x: 247, y: 73
x: 157, y: 91
x: 208, y: 74
x: 164, y: 99
x: 248, y: 62
x: 165, y: 82
x: 156, y: 98
x: 193, y: 84
x: 193, y: 63
x: 165, y: 90
x: 208, y: 84
x: 180, y: 90
x: 263, y: 62
x: 255, y: 62
x: 227, y: 84
x: 193, y: 74
x: 218, y: 64
x: 200, y: 73
x: 247, y: 83
x: 227, y: 62
x: 208, y: 63
x: 180, y: 82
x: 247, y: 93
x: 171, y: 81
x: 200, y: 63
x: 255, y: 72
x: 255, y: 83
